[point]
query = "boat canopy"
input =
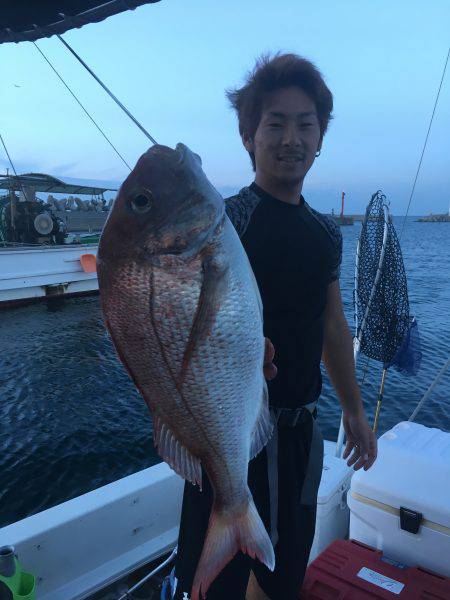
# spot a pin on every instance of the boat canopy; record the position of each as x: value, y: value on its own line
x: 23, y: 20
x: 56, y: 185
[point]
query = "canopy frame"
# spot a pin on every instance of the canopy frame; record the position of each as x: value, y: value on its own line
x: 41, y: 182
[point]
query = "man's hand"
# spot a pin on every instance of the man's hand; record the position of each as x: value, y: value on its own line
x: 269, y: 368
x: 360, y: 439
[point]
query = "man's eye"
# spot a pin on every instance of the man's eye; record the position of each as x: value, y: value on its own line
x: 304, y: 125
x: 275, y: 125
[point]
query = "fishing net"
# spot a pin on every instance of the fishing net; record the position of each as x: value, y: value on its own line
x: 408, y: 357
x: 381, y: 292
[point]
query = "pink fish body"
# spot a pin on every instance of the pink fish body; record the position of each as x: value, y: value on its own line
x: 181, y: 304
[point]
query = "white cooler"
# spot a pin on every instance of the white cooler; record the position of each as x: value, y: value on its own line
x: 332, y: 510
x: 402, y: 504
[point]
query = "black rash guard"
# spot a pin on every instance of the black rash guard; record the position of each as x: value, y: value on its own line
x: 295, y: 253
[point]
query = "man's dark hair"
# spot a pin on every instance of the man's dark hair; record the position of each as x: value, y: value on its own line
x: 275, y: 73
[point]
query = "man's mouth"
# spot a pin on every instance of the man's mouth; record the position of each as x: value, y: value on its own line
x: 290, y: 158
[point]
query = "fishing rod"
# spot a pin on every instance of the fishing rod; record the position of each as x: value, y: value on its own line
x: 358, y: 338
x: 411, y: 345
x: 116, y: 100
x: 82, y: 106
x: 426, y: 141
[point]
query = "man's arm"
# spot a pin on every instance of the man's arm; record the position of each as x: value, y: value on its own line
x: 338, y: 358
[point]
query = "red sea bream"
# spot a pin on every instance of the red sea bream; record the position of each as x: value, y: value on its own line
x: 182, y: 307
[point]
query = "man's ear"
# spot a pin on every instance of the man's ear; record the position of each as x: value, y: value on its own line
x: 319, y: 147
x: 248, y: 142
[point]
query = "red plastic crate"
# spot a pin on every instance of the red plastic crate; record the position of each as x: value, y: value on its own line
x: 349, y: 570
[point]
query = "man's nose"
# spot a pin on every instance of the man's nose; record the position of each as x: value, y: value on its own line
x: 291, y: 135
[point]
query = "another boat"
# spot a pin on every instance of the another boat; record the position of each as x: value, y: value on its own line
x: 43, y: 251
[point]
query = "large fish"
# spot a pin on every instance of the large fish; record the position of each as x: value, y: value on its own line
x: 184, y: 312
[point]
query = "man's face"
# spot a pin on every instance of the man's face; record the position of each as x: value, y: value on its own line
x: 287, y: 137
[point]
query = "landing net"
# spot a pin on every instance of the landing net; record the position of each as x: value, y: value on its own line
x: 381, y: 291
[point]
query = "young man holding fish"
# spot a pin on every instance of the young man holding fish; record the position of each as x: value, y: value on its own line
x: 295, y: 252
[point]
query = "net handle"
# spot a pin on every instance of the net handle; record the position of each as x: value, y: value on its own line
x: 358, y: 335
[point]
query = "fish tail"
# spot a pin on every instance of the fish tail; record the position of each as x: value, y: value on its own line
x: 227, y: 534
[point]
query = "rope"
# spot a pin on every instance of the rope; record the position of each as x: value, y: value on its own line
x: 116, y: 100
x: 425, y: 143
x: 12, y: 165
x: 85, y: 110
x: 10, y: 160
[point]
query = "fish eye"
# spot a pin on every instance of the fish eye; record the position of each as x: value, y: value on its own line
x: 142, y: 202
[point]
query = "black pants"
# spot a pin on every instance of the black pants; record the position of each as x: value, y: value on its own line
x: 300, y: 455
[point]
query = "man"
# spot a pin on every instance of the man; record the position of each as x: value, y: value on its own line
x: 295, y: 252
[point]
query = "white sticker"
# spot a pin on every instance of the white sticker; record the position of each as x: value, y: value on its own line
x: 391, y: 585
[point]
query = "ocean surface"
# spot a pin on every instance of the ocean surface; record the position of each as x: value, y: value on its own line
x: 71, y: 420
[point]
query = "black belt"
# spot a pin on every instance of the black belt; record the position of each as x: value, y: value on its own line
x: 290, y: 417
x: 283, y: 417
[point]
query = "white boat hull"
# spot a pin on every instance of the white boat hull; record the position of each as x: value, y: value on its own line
x: 85, y: 544
x: 28, y: 273
x: 82, y: 545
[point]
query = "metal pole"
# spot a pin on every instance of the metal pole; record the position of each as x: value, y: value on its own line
x: 12, y: 212
x: 379, y: 401
x: 116, y: 100
x: 429, y: 390
x: 358, y: 337
x: 150, y: 575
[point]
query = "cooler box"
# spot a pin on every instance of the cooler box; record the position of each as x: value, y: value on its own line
x: 349, y: 570
x: 402, y: 504
x: 332, y: 511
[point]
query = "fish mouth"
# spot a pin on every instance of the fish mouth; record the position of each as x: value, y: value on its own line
x: 175, y: 157
x: 185, y: 154
x: 181, y: 149
x: 181, y: 153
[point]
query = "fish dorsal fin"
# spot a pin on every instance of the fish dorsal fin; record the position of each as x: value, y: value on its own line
x: 264, y: 426
x: 175, y: 454
x: 213, y: 283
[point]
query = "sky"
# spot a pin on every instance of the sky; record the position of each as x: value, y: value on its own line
x: 171, y: 62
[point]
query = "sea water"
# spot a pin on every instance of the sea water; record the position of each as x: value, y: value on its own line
x: 71, y: 420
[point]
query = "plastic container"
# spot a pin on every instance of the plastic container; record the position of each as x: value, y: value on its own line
x: 402, y: 504
x: 22, y: 585
x: 349, y: 570
x: 332, y: 511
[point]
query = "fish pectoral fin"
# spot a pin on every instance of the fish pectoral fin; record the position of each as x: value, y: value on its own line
x: 175, y: 454
x: 264, y: 426
x: 213, y: 284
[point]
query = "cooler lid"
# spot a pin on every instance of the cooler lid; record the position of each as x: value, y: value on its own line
x: 412, y: 471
